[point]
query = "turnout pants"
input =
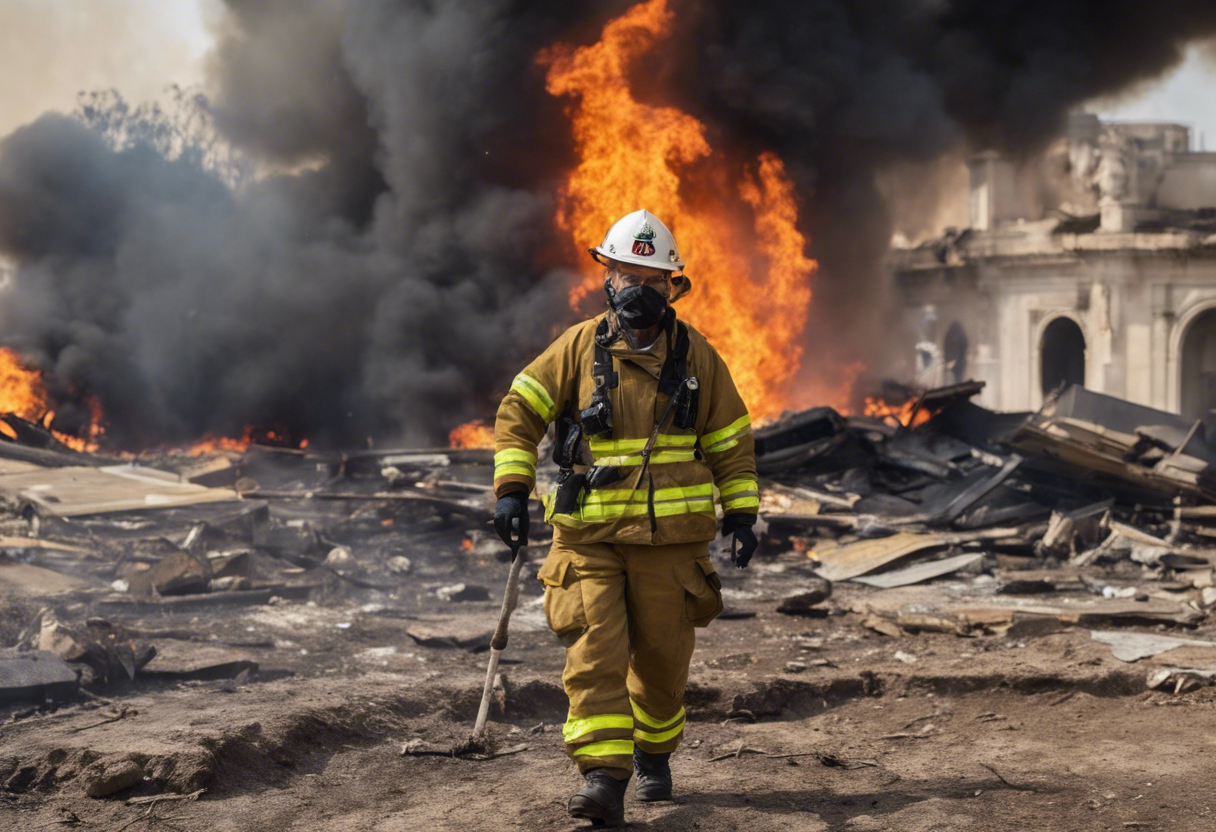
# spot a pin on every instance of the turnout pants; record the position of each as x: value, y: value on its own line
x: 626, y: 615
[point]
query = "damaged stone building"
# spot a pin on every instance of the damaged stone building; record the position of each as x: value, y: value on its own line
x: 1096, y: 268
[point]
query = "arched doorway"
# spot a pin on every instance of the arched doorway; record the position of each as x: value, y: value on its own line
x: 1199, y: 366
x: 1063, y: 359
x: 954, y: 354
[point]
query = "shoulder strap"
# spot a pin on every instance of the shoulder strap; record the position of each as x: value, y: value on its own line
x: 673, y: 374
x: 602, y: 374
x: 675, y: 368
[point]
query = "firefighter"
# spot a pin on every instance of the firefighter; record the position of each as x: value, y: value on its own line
x: 649, y: 426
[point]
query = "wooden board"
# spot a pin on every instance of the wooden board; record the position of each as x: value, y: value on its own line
x: 29, y: 580
x: 75, y: 491
x: 839, y: 563
x: 901, y: 602
x: 920, y: 572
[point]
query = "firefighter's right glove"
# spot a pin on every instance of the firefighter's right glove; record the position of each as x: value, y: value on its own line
x: 511, y: 520
x: 738, y: 527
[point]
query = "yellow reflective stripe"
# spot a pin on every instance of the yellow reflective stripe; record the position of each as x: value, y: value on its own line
x: 741, y: 484
x: 535, y: 394
x: 605, y: 505
x: 722, y: 446
x: 705, y: 506
x: 663, y: 736
x: 515, y: 455
x: 656, y: 458
x: 606, y: 748
x: 742, y: 502
x: 616, y: 446
x: 743, y: 492
x: 632, y: 446
x: 514, y: 461
x: 615, y: 511
x: 605, y: 496
x: 575, y: 728
x: 739, y: 426
x: 649, y: 720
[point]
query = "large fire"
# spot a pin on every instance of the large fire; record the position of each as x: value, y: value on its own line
x: 751, y: 276
x: 476, y: 434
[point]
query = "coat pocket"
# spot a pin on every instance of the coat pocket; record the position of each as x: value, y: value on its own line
x: 564, y: 608
x: 702, y: 591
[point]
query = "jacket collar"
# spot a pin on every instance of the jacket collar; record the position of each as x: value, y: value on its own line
x: 650, y: 360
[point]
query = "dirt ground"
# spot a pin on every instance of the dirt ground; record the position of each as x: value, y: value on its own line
x: 1050, y: 733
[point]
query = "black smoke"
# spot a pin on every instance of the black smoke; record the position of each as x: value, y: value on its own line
x: 399, y: 261
x: 843, y: 89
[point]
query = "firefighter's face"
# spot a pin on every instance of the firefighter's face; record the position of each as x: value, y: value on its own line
x: 624, y: 275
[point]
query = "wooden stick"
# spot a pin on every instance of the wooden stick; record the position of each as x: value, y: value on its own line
x: 161, y: 798
x: 510, y: 596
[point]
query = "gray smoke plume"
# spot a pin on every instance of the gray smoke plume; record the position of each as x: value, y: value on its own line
x: 401, y: 262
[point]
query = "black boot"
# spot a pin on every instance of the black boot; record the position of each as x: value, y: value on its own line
x: 601, y: 800
x: 654, y: 775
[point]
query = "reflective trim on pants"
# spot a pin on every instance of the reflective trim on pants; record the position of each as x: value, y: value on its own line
x: 575, y: 728
x: 663, y: 730
x: 606, y: 748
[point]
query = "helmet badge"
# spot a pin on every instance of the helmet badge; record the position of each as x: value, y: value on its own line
x: 643, y: 241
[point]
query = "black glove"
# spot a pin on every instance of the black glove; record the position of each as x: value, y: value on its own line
x: 743, y: 540
x: 511, y: 520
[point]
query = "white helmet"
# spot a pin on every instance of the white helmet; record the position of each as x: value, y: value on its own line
x: 640, y: 238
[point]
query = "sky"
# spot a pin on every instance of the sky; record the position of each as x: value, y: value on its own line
x: 52, y: 49
x: 1184, y: 96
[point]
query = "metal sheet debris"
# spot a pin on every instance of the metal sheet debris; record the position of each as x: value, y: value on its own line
x: 920, y: 572
x: 1131, y: 647
x: 75, y: 491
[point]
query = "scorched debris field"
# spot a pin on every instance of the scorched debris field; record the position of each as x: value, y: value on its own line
x: 983, y: 622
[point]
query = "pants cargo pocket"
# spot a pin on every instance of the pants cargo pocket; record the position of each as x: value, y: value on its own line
x: 563, y: 599
x: 702, y: 591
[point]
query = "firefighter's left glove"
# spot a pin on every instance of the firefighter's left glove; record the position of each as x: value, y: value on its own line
x: 511, y: 520
x: 738, y: 527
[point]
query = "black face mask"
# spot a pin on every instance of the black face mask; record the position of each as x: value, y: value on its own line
x: 637, y: 307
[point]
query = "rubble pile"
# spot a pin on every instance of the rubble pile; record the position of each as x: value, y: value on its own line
x: 119, y: 572
x: 1091, y: 511
x: 175, y: 569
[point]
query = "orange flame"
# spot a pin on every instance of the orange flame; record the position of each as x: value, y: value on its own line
x: 752, y: 278
x: 212, y: 444
x: 906, y: 414
x: 475, y: 434
x: 23, y: 393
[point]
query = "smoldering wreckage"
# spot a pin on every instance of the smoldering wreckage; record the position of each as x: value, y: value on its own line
x: 199, y: 574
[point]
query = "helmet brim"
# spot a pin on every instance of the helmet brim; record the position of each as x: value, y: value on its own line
x: 636, y: 260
